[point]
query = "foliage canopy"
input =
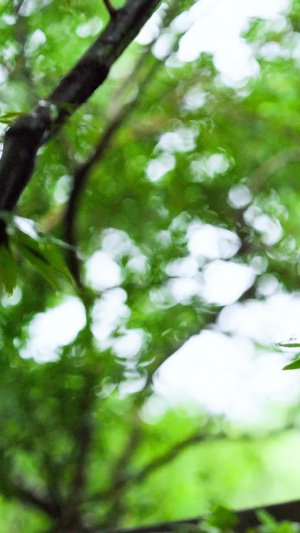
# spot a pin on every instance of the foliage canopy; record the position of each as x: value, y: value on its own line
x: 164, y: 150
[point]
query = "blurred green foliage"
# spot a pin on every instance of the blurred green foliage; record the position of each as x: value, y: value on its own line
x: 78, y: 446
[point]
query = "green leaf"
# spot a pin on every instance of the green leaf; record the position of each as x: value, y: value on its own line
x: 29, y: 227
x: 222, y: 518
x: 40, y: 265
x: 288, y: 344
x: 8, y: 270
x: 45, y: 257
x: 42, y: 252
x: 293, y: 366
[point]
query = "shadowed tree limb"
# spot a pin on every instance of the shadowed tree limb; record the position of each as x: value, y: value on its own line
x: 247, y: 518
x: 29, y: 132
x: 33, y: 498
x: 120, y: 476
x: 23, y: 63
x: 157, y: 463
x: 81, y: 173
x: 82, y: 442
x: 164, y: 459
x: 80, y: 177
x: 110, y: 8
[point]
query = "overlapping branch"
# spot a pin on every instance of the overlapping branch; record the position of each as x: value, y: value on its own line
x: 82, y: 172
x: 29, y: 496
x: 29, y: 132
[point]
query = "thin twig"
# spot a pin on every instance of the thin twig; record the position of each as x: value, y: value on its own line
x: 120, y: 476
x: 157, y: 463
x: 110, y: 8
x: 82, y: 437
x: 81, y: 174
x: 21, y: 38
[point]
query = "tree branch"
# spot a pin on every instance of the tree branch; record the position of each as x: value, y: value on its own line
x: 29, y: 132
x: 110, y: 8
x: 28, y: 496
x: 247, y: 518
x: 167, y: 457
x: 121, y: 478
x: 82, y: 438
x: 80, y: 177
x: 158, y: 462
x: 81, y: 174
x: 23, y: 63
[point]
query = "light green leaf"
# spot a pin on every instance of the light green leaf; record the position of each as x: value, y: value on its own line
x: 222, y: 518
x: 288, y: 344
x: 266, y: 518
x: 8, y: 270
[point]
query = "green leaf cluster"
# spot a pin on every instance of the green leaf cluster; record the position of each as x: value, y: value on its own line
x: 43, y: 253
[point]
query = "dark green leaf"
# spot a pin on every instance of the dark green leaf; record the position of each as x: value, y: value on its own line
x: 8, y: 270
x: 292, y: 366
x: 45, y: 257
x: 9, y: 117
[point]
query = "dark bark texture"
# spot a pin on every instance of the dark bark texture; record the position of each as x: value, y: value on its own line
x: 23, y: 139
